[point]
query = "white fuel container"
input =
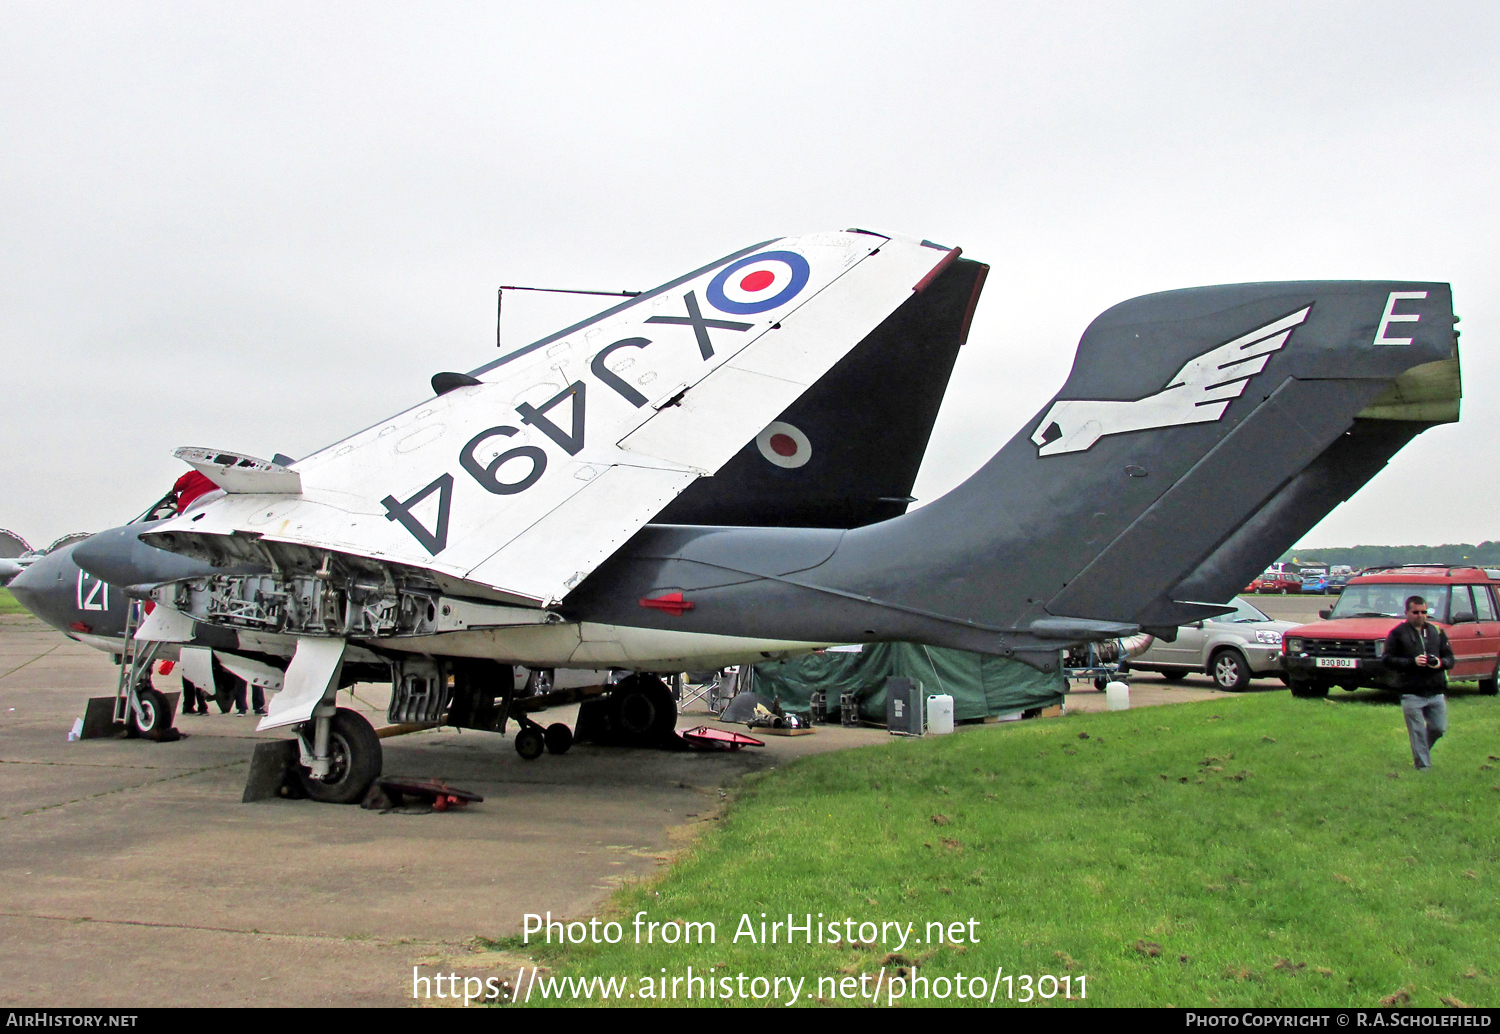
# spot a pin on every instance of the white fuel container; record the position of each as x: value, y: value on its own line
x: 1117, y: 696
x: 940, y: 714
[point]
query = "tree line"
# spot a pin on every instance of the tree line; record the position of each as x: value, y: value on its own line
x: 1485, y: 554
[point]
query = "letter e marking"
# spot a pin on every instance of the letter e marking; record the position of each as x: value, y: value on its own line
x: 1392, y: 316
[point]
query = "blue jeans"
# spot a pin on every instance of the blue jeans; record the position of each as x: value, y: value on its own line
x: 1426, y: 721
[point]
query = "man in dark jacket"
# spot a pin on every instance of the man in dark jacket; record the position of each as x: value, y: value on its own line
x: 1418, y: 652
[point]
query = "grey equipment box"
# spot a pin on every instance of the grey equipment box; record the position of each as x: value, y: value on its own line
x: 903, y: 707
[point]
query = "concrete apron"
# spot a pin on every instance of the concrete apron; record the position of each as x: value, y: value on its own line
x: 133, y: 876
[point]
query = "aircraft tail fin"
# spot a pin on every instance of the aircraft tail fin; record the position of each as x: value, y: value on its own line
x: 1200, y: 434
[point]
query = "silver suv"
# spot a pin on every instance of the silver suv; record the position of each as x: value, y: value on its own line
x: 1232, y: 649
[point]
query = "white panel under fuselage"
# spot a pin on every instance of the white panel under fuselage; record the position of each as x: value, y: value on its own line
x: 588, y: 645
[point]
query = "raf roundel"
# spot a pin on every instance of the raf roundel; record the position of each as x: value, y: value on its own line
x: 759, y: 283
x: 784, y: 445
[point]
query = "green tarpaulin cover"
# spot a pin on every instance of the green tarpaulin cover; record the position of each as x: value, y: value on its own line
x: 980, y: 685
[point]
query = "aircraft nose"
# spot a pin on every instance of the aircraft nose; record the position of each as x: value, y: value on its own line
x: 119, y: 557
x: 109, y: 556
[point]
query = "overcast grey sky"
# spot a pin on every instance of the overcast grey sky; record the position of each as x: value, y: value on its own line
x: 263, y: 226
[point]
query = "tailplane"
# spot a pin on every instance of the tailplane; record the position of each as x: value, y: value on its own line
x: 1200, y: 434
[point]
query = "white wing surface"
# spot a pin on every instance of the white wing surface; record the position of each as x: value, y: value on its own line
x: 528, y: 480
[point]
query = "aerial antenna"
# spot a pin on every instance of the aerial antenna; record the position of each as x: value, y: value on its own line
x: 500, y: 299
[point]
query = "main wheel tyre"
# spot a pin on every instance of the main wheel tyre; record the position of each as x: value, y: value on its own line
x: 1490, y: 686
x: 155, y: 717
x: 530, y: 742
x: 354, y: 761
x: 1308, y: 688
x: 1230, y: 670
x: 1173, y: 675
x: 644, y: 710
x: 559, y: 738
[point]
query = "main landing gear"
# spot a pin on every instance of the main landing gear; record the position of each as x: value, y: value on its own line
x: 532, y: 740
x: 638, y: 711
x: 340, y: 756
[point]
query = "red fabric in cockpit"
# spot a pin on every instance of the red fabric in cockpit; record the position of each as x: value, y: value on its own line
x: 189, y: 487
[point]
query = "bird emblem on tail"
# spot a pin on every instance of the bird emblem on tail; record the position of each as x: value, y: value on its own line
x: 1197, y: 394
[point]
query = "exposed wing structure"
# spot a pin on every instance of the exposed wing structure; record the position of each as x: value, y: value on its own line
x: 527, y: 480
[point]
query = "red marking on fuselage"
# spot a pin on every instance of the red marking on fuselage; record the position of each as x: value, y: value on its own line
x: 783, y: 445
x: 672, y: 603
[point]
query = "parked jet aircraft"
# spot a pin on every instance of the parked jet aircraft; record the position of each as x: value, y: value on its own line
x: 513, y: 517
x: 15, y: 554
x: 843, y: 455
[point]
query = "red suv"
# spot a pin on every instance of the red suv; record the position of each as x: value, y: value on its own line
x: 1347, y: 649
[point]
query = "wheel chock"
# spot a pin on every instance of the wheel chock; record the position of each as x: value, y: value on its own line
x: 273, y: 772
x: 99, y: 719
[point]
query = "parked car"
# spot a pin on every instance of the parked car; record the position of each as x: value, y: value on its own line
x: 1277, y: 582
x: 1315, y: 580
x: 1347, y: 648
x: 1231, y: 649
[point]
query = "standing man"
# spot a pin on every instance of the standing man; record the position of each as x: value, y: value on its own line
x: 1418, y: 652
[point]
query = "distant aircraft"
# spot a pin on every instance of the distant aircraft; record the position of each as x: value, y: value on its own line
x: 16, y: 553
x: 518, y: 517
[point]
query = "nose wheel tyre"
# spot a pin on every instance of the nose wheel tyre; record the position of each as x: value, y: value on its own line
x: 1230, y: 670
x: 354, y: 760
x: 155, y: 718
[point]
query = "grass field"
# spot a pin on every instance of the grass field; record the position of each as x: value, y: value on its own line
x: 1254, y: 851
x: 8, y: 604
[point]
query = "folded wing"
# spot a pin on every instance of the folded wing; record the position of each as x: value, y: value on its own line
x: 525, y: 481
